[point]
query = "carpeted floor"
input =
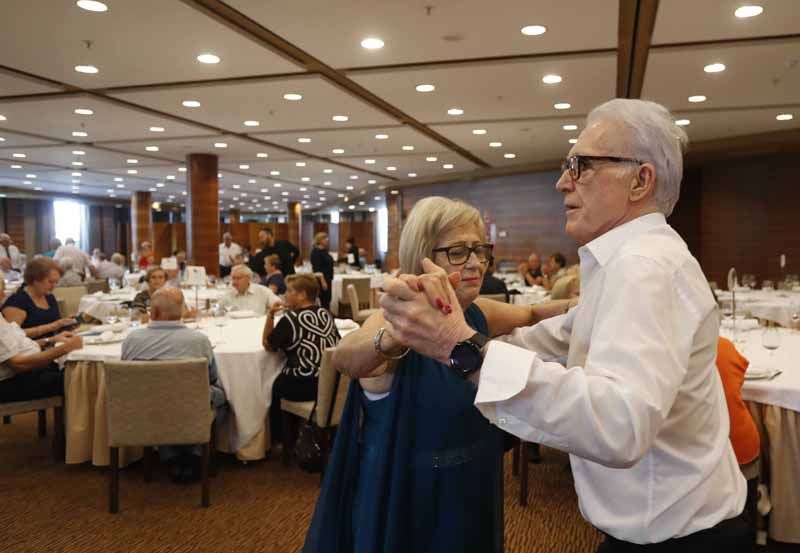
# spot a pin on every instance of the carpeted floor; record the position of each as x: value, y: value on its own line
x: 48, y: 507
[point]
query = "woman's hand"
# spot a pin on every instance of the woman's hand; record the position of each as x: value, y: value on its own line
x: 276, y: 308
x: 73, y: 342
x: 61, y: 323
x: 435, y: 283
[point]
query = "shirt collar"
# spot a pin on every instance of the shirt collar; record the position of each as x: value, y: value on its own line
x: 248, y: 292
x: 606, y: 245
x: 166, y: 324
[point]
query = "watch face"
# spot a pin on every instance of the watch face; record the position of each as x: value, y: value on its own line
x: 465, y: 358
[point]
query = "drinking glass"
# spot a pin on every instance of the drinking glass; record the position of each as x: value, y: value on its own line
x: 220, y: 320
x: 771, y: 340
x: 113, y: 284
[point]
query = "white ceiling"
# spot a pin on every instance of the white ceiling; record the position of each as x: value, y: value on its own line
x: 146, y: 52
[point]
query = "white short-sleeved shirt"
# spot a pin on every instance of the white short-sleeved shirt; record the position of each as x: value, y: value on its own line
x: 228, y: 253
x: 13, y: 342
x: 80, y: 259
x: 257, y: 299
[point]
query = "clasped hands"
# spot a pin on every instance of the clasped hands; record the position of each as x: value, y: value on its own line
x: 422, y: 312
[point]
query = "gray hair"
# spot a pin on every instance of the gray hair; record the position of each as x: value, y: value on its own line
x: 430, y: 218
x: 242, y: 269
x: 118, y: 259
x: 652, y: 137
x: 4, y: 236
x: 169, y: 303
x: 227, y: 235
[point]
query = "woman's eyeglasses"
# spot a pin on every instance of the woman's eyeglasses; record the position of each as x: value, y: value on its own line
x: 576, y: 164
x: 458, y: 255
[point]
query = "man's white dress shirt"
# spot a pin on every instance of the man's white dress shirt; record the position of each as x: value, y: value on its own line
x: 626, y: 382
x: 13, y: 342
x: 228, y: 253
x: 80, y: 259
x: 257, y: 298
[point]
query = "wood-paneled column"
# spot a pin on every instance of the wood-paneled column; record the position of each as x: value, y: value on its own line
x: 141, y: 220
x: 394, y: 207
x: 235, y: 216
x: 294, y: 216
x: 202, y: 211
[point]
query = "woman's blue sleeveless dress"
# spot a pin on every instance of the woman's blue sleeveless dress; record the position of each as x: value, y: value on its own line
x: 419, y: 471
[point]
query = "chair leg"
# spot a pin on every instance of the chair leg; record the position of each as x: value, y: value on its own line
x: 42, y: 423
x: 148, y: 463
x: 205, y: 500
x: 59, y: 435
x: 523, y: 477
x: 286, y: 423
x: 113, y: 488
x: 212, y: 469
x: 515, y: 458
x: 6, y: 419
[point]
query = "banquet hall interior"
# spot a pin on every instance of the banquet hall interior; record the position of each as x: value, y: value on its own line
x: 146, y: 131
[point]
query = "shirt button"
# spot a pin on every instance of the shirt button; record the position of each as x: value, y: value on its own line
x: 501, y: 421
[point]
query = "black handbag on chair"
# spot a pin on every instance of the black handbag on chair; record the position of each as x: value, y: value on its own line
x: 308, y: 447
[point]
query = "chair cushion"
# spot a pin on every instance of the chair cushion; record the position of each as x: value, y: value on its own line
x: 19, y: 407
x: 300, y: 409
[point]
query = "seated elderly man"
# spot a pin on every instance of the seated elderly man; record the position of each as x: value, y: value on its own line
x: 111, y: 269
x: 8, y: 272
x: 246, y: 295
x: 69, y: 276
x: 168, y: 338
x: 27, y: 367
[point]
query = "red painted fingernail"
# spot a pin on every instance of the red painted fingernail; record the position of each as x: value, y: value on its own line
x: 447, y: 309
x: 420, y: 287
x: 439, y: 304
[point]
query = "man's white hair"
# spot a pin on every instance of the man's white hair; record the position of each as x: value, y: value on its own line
x: 653, y: 137
x: 227, y: 235
x: 244, y: 269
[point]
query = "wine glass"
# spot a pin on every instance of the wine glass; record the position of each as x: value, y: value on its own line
x: 113, y: 284
x: 771, y: 340
x: 220, y: 320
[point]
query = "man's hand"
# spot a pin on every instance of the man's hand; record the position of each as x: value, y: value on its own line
x: 62, y: 336
x: 427, y: 319
x: 73, y: 342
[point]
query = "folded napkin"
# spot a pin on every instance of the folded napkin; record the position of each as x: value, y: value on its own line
x: 243, y: 314
x: 345, y: 324
x: 741, y: 324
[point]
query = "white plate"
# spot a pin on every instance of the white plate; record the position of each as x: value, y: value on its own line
x: 97, y: 341
x: 761, y: 374
x: 245, y: 314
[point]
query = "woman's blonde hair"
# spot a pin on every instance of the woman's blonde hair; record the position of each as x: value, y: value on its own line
x: 319, y: 237
x: 429, y: 219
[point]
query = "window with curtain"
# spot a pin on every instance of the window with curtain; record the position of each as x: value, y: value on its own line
x: 383, y: 230
x: 71, y: 221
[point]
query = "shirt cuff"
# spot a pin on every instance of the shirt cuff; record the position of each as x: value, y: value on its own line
x: 504, y: 372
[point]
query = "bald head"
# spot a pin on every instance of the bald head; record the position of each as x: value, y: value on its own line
x: 166, y: 304
x: 533, y: 261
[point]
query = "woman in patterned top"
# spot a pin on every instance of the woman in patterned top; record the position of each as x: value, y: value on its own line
x: 305, y: 330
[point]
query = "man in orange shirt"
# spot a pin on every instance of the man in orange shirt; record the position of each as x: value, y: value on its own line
x: 744, y: 434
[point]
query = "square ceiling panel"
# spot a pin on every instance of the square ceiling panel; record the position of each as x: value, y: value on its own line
x: 79, y: 158
x: 228, y: 106
x: 235, y: 149
x: 361, y: 141
x: 674, y: 75
x: 420, y: 30
x: 418, y: 165
x: 497, y: 91
x: 108, y: 121
x: 10, y: 139
x: 13, y: 85
x: 711, y: 125
x: 146, y: 41
x: 690, y: 20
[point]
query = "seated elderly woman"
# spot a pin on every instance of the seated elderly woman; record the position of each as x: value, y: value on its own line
x: 69, y: 276
x: 155, y: 278
x: 305, y: 330
x: 33, y: 306
x: 8, y: 272
x: 27, y: 367
x: 415, y: 466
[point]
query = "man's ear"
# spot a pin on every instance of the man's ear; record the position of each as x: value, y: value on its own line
x: 644, y: 183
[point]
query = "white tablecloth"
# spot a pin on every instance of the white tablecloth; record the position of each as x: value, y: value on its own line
x: 529, y: 295
x: 100, y: 305
x: 772, y: 305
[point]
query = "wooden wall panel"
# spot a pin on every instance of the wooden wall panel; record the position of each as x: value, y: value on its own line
x: 108, y: 228
x: 15, y: 221
x: 307, y: 237
x: 527, y: 208
x: 363, y: 232
x: 179, y: 236
x: 162, y: 241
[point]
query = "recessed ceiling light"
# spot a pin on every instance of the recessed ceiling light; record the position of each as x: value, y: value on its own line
x: 300, y: 163
x: 551, y: 79
x: 79, y: 134
x: 304, y: 140
x: 244, y: 166
x: 74, y: 181
x: 118, y: 179
x: 170, y: 177
x: 156, y: 129
x: 447, y: 166
x: 132, y: 171
x: 92, y: 5
x: 455, y: 111
x: 251, y: 123
x: 305, y: 179
x: 431, y: 158
x: 303, y: 189
x: 21, y: 156
x: 349, y: 187
x: 391, y: 168
x: 182, y: 169
x: 682, y: 122
x: 262, y: 154
x: 292, y: 97
x: 495, y: 144
x: 562, y: 105
x: 362, y: 202
x: 570, y: 127
x: 337, y: 151
x: 77, y: 163
x: 251, y: 181
x: 371, y: 181
x: 16, y: 166
x: 274, y: 173
x: 284, y: 193
x: 208, y: 58
x: 220, y: 145
x: 190, y: 104
x: 381, y: 136
x: 784, y: 117
x: 327, y: 171
x: 412, y: 175
x: 84, y: 111
x: 3, y: 118
x: 120, y: 186
x: 509, y: 156
x: 77, y: 153
x: 369, y: 161
x: 748, y: 11
x: 2, y: 139
x: 408, y: 148
x: 132, y: 161
x: 394, y: 192
x: 327, y: 183
x: 77, y: 174
x: 88, y: 69
x: 151, y: 148
x: 533, y: 30
x: 353, y: 177
x: 372, y: 43
x: 30, y: 176
x: 160, y: 184
x: 697, y: 99
x: 425, y: 88
x: 38, y: 188
x: 277, y: 185
x: 340, y: 118
x: 236, y: 186
x: 478, y: 131
x: 714, y: 68
x: 351, y: 207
